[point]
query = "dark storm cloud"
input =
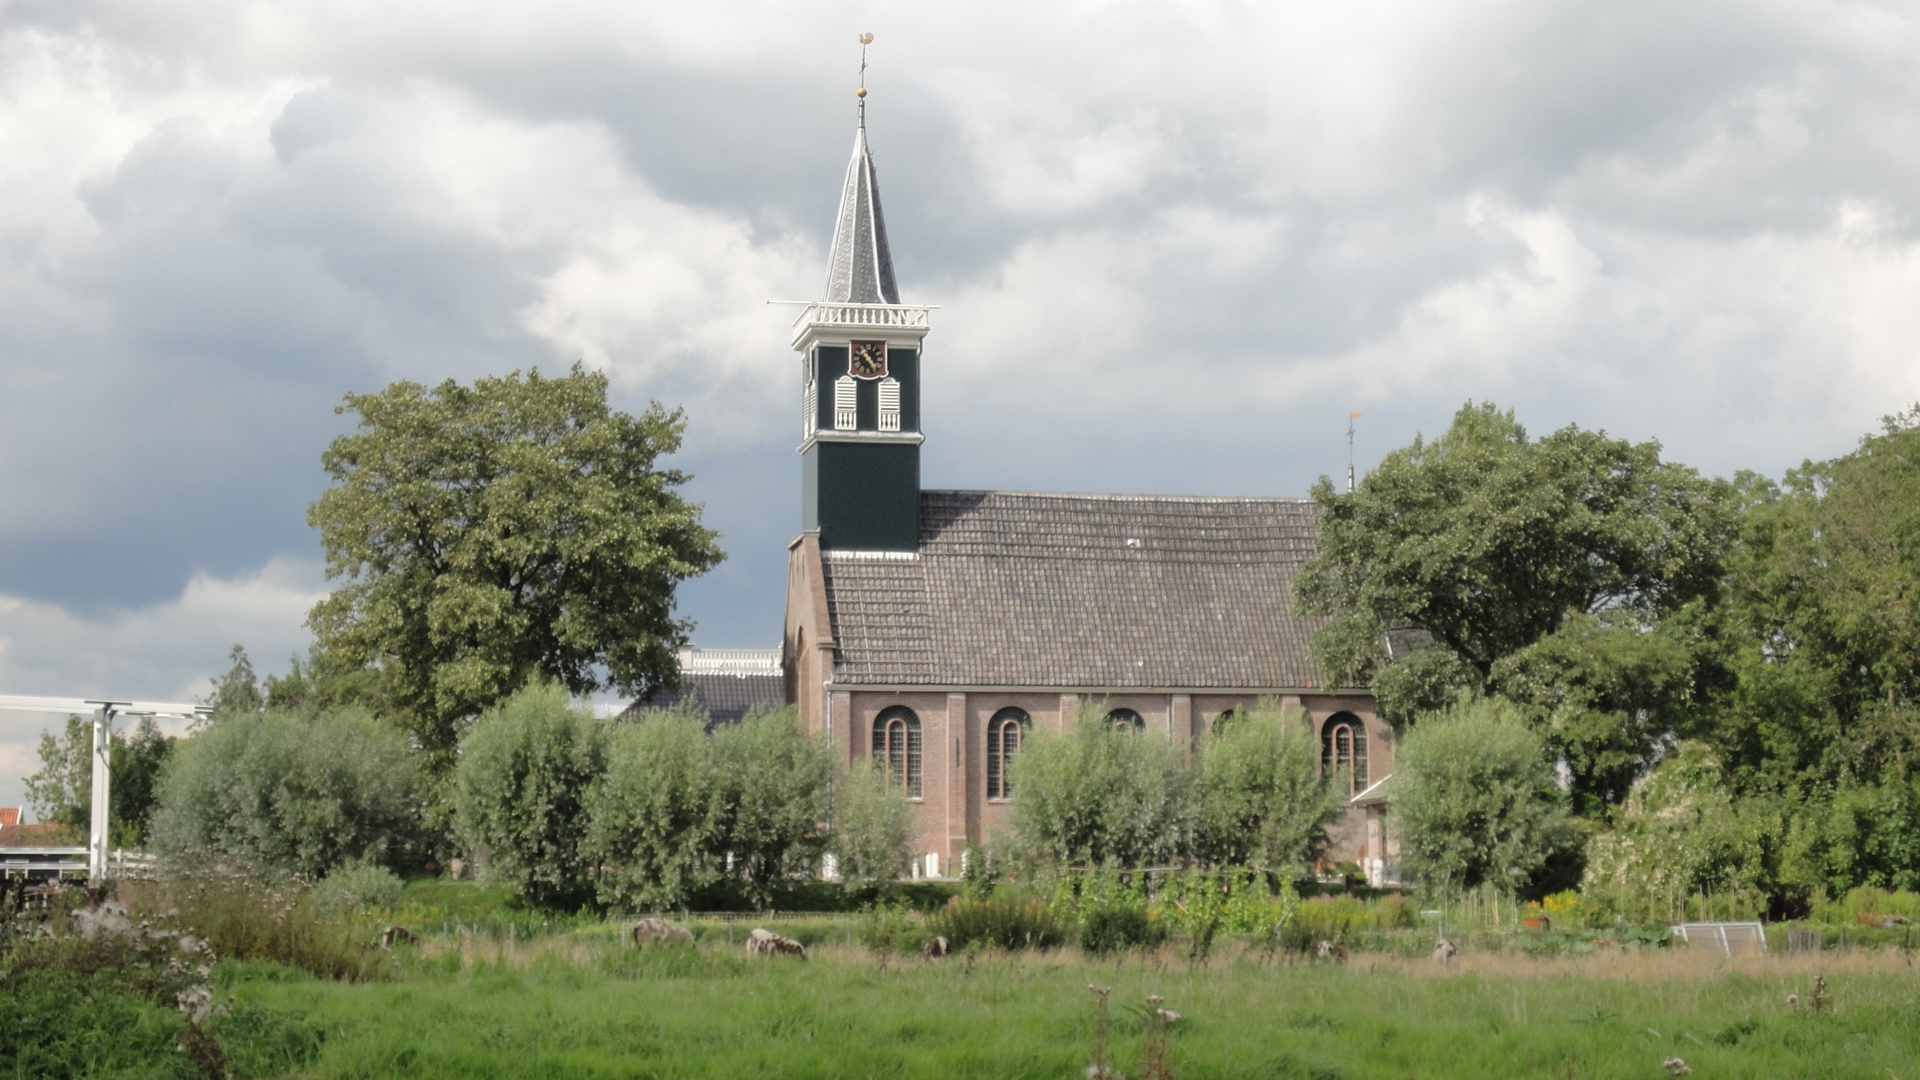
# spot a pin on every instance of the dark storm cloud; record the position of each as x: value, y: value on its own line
x: 1174, y: 245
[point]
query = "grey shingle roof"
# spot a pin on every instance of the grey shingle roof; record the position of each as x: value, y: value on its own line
x: 859, y: 266
x: 728, y: 697
x: 1047, y: 590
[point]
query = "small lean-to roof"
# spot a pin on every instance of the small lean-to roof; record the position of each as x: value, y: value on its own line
x: 1022, y: 589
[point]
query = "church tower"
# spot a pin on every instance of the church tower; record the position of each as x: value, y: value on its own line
x: 860, y: 351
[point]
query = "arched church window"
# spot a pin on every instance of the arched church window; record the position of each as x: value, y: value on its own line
x: 1006, y: 732
x: 889, y: 404
x: 846, y: 403
x: 1226, y: 719
x: 896, y: 748
x: 1343, y: 748
x: 1126, y: 721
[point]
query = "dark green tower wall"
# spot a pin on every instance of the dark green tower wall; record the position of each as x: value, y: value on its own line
x: 862, y: 496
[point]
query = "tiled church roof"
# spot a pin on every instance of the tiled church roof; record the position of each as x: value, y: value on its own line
x: 1045, y: 590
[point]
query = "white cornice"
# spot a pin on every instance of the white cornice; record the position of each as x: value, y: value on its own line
x: 901, y: 438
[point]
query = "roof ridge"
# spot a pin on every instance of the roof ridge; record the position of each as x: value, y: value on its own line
x: 1126, y: 496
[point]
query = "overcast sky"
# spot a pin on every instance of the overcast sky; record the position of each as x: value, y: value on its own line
x: 1173, y: 244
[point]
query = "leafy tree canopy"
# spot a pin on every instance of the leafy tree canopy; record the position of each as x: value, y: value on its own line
x: 1262, y: 800
x: 1095, y: 795
x: 1476, y: 803
x: 62, y: 790
x: 490, y: 532
x: 1487, y: 540
x: 1576, y: 575
x: 520, y: 790
x: 1826, y: 608
x: 293, y: 792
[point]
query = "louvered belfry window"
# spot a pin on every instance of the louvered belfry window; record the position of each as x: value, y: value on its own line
x: 1005, y: 732
x: 889, y: 404
x: 896, y: 747
x: 1343, y: 749
x: 811, y: 418
x: 846, y: 403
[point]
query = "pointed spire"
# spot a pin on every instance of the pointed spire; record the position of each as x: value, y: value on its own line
x: 860, y: 268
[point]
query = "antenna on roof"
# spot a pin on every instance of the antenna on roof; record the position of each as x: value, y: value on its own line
x: 865, y: 40
x: 1351, y: 417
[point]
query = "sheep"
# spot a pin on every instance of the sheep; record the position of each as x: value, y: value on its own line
x: 763, y: 942
x: 1330, y: 950
x: 1444, y: 950
x: 935, y: 949
x: 651, y: 931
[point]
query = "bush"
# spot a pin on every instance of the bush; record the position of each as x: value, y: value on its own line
x: 1113, y: 915
x: 1477, y: 804
x: 244, y: 914
x: 1094, y: 796
x: 291, y: 793
x: 358, y: 887
x: 1008, y: 921
x: 1680, y: 833
x: 894, y: 928
x: 872, y: 825
x: 1262, y: 800
x: 651, y: 816
x: 771, y: 792
x: 520, y: 791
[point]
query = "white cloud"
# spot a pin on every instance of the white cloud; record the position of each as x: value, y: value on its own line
x: 1174, y: 243
x: 166, y: 652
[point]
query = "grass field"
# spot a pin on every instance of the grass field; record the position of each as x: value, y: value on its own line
x: 575, y: 1005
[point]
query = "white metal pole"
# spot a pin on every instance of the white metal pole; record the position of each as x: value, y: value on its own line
x: 102, y: 778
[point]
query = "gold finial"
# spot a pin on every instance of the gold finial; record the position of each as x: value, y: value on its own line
x: 866, y: 39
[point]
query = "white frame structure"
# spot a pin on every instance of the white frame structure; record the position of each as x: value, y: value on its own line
x: 104, y: 711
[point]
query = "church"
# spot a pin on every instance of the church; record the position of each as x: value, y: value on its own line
x: 932, y: 631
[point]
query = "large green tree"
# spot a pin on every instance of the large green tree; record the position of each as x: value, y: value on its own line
x: 1826, y: 614
x: 1540, y: 568
x: 485, y: 534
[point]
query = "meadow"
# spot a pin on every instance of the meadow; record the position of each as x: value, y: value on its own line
x: 491, y: 988
x: 587, y: 1006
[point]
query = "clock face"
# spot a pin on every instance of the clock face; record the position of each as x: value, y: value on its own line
x: 868, y: 360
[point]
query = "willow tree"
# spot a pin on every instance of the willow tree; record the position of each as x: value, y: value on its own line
x: 486, y: 534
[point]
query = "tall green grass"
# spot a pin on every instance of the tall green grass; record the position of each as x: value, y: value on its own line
x: 614, y: 1011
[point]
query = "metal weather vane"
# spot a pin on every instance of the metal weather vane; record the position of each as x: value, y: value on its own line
x: 865, y: 40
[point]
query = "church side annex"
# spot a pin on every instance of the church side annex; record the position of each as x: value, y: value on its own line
x: 931, y: 631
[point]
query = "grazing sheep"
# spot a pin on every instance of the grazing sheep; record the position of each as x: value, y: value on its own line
x: 763, y: 942
x: 660, y: 932
x: 935, y: 949
x: 1330, y: 950
x: 394, y: 935
x: 1444, y: 950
